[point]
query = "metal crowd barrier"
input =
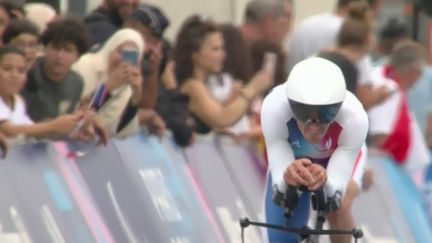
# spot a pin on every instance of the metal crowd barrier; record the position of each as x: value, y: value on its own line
x: 145, y: 190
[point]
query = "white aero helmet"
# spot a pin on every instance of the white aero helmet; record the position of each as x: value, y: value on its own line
x: 315, y: 90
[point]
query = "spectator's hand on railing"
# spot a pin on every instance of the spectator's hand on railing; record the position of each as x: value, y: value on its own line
x: 4, y: 146
x: 91, y: 129
x: 101, y: 132
x: 67, y: 124
x: 152, y: 120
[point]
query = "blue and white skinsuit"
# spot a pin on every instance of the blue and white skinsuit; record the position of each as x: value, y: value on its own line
x: 340, y: 152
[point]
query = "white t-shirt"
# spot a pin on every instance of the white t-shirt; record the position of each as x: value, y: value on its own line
x: 17, y: 115
x: 384, y: 116
x: 312, y: 35
x: 317, y: 33
x: 337, y: 150
x: 220, y: 88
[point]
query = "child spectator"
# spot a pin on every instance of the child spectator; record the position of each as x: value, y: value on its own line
x: 8, y: 10
x: 52, y: 88
x: 24, y: 35
x: 13, y: 118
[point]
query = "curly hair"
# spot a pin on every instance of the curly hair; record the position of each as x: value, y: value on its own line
x: 189, y: 40
x: 67, y: 29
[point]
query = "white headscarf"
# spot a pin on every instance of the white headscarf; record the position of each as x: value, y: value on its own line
x: 93, y: 67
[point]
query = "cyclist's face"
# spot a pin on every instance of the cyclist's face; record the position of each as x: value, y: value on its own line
x: 313, y: 132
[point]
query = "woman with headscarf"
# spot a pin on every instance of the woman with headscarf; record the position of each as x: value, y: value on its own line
x: 112, y: 84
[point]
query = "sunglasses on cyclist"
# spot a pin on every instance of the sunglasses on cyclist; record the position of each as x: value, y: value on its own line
x: 321, y: 114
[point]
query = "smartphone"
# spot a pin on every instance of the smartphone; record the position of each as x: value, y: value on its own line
x: 269, y: 61
x: 130, y: 55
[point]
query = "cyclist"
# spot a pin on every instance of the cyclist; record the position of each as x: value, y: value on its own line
x: 314, y: 130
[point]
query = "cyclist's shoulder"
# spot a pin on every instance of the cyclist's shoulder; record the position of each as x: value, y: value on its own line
x: 353, y: 119
x: 275, y: 107
x: 351, y: 109
x: 276, y: 100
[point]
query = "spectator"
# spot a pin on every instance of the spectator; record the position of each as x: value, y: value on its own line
x: 172, y: 105
x: 14, y: 120
x: 40, y: 14
x: 393, y: 31
x: 24, y: 35
x: 199, y: 53
x: 237, y: 58
x: 108, y: 18
x: 354, y: 40
x: 224, y: 86
x: 419, y: 96
x: 319, y: 32
x: 120, y: 80
x: 53, y: 4
x: 150, y: 22
x: 8, y: 10
x: 398, y: 134
x: 419, y: 100
x: 267, y: 19
x: 259, y: 49
x: 52, y: 88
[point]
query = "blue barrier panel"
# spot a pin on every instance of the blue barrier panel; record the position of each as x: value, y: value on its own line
x: 410, y: 202
x: 37, y: 202
x: 145, y: 190
x: 377, y: 210
x: 158, y: 169
x: 246, y: 169
x: 223, y: 195
x: 123, y: 201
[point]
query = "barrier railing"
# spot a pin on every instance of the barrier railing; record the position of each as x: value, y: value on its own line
x: 134, y: 190
x: 145, y: 190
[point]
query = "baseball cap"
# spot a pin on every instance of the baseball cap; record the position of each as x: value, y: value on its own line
x: 152, y: 17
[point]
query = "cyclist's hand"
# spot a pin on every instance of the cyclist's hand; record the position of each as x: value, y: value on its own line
x: 319, y: 174
x: 297, y: 174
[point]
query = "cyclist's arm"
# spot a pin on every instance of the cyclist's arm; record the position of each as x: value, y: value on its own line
x: 279, y: 151
x: 343, y: 159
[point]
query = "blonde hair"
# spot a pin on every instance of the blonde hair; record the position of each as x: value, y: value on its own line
x: 357, y: 26
x: 407, y: 54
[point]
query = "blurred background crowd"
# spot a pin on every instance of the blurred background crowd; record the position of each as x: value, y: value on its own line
x: 68, y: 72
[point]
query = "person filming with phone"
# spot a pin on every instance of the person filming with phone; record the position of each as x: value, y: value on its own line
x: 113, y: 81
x: 314, y: 130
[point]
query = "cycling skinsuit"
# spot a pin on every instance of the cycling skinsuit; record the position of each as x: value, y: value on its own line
x: 339, y: 152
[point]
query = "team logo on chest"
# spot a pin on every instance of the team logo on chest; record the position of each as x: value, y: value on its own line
x: 323, y: 149
x: 328, y: 144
